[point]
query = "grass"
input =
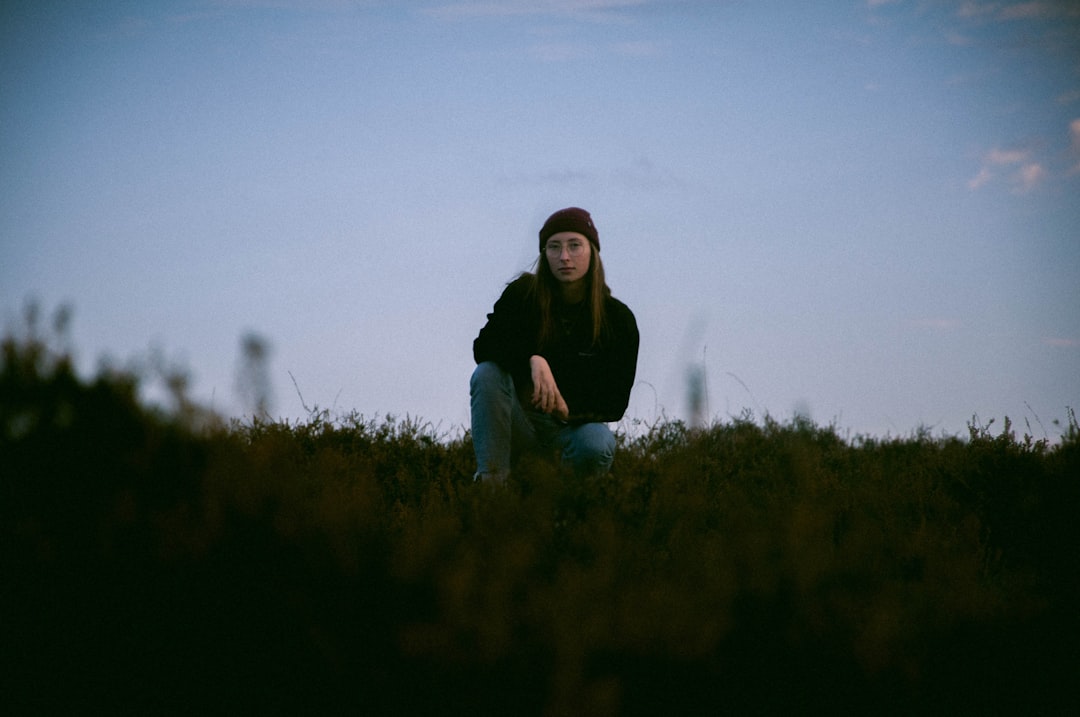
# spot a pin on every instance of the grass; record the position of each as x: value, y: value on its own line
x: 152, y: 564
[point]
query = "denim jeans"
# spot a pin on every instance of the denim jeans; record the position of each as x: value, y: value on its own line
x: 503, y: 430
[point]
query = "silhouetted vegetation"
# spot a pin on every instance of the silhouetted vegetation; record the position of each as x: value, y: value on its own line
x: 153, y: 563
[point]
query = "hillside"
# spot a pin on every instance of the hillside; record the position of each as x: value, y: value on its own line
x: 153, y: 565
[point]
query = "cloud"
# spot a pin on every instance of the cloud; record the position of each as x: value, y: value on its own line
x: 1029, y: 11
x: 958, y: 40
x: 1024, y: 173
x: 294, y: 5
x: 983, y: 177
x: 1030, y: 175
x: 1006, y: 156
x: 642, y: 48
x: 560, y: 51
x: 995, y: 158
x: 939, y: 324
x: 1064, y: 343
x: 555, y: 177
x: 642, y: 173
x: 1074, y: 144
x: 1068, y: 97
x: 1043, y: 27
x: 977, y: 9
x: 569, y: 51
x: 512, y: 8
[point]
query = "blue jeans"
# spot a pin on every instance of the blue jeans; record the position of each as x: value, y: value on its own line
x: 503, y: 430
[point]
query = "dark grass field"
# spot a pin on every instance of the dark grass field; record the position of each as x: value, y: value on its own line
x: 347, y: 565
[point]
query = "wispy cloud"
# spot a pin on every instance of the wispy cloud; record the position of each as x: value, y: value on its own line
x: 643, y: 173
x: 957, y: 39
x: 1060, y: 342
x: 642, y: 48
x: 640, y: 174
x: 993, y: 161
x: 511, y: 8
x: 1030, y: 175
x: 569, y: 51
x: 294, y: 5
x: 1068, y: 97
x: 977, y: 9
x: 1024, y: 173
x: 1043, y: 27
x: 560, y: 51
x: 982, y: 178
x: 555, y: 177
x: 1013, y: 11
x: 1006, y: 156
x: 1031, y: 11
x: 1074, y: 145
x: 939, y: 324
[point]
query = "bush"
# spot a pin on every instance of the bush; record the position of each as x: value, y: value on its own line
x: 153, y: 565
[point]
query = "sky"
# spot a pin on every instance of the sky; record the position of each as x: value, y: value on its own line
x: 862, y: 212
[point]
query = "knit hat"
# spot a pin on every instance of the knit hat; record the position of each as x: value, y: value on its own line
x: 571, y: 219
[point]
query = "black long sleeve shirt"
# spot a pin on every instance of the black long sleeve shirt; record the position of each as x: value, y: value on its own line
x: 595, y: 381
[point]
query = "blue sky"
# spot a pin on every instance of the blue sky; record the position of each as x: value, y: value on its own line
x: 864, y: 211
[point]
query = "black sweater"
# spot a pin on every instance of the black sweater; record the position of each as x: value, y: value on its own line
x: 595, y: 381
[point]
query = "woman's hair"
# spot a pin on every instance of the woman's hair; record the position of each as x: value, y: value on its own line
x: 545, y: 287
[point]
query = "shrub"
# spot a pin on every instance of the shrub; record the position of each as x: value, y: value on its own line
x: 153, y: 565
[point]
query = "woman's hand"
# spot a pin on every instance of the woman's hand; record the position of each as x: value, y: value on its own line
x: 546, y: 396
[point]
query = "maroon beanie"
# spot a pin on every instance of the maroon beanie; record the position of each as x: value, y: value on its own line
x: 571, y: 219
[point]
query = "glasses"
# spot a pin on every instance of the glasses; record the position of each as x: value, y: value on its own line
x: 573, y: 248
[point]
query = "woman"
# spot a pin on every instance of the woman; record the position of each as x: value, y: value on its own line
x: 556, y: 359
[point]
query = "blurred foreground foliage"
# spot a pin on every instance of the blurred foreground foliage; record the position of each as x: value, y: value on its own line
x: 155, y: 564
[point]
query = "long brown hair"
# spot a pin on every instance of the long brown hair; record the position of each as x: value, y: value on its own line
x: 545, y: 287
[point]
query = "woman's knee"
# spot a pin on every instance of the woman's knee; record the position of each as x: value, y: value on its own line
x: 591, y: 448
x: 488, y: 375
x: 597, y: 438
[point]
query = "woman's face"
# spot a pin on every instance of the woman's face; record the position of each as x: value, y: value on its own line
x: 568, y: 255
